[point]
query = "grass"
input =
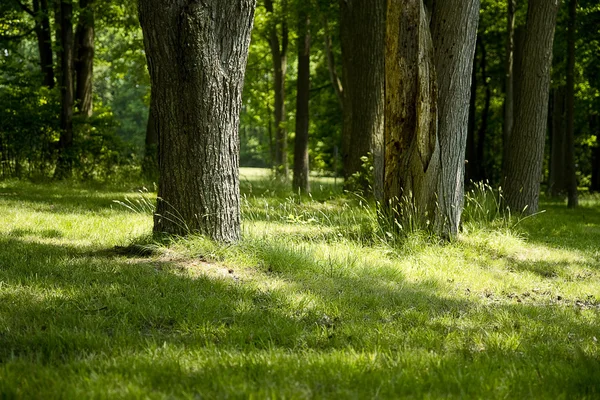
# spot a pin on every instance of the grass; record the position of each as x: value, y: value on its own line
x: 314, y: 302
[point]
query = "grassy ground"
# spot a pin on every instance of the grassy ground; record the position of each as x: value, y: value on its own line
x: 313, y: 303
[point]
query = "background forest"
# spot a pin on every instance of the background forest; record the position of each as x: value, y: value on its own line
x: 110, y: 138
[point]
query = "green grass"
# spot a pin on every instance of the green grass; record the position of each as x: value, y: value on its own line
x: 314, y: 302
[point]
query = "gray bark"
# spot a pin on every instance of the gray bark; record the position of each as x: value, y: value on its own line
x: 454, y: 29
x: 412, y: 152
x: 197, y: 53
x: 526, y: 143
x: 84, y: 62
x: 150, y: 161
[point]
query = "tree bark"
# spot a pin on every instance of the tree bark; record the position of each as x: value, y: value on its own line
x: 64, y: 166
x: 44, y: 39
x: 556, y: 178
x: 526, y: 143
x: 571, y: 177
x: 197, y: 53
x: 84, y: 62
x: 150, y: 161
x: 279, y: 55
x: 471, y: 157
x: 454, y: 29
x: 412, y: 152
x: 300, y: 179
x: 362, y: 30
x: 485, y: 116
x: 509, y: 78
x: 333, y: 75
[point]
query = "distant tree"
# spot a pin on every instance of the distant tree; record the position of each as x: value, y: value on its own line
x: 84, y: 60
x: 526, y: 143
x: 301, y: 168
x: 197, y: 54
x: 509, y: 96
x: 556, y: 176
x: 279, y: 49
x: 64, y: 166
x: 570, y: 173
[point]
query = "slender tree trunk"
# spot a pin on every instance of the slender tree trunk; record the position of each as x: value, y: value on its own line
x: 412, y: 151
x: 197, y: 53
x: 150, y: 162
x: 333, y: 75
x: 556, y: 178
x: 485, y: 116
x: 526, y: 143
x: 362, y: 29
x: 84, y: 62
x: 300, y: 180
x: 571, y: 176
x: 471, y: 157
x: 509, y: 78
x: 279, y: 54
x: 594, y: 122
x: 454, y: 27
x: 44, y: 39
x: 64, y: 167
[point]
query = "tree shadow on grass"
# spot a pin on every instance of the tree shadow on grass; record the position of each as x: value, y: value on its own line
x: 71, y: 309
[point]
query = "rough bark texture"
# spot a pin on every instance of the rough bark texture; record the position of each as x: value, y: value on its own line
x: 197, y: 53
x: 150, y: 162
x: 571, y: 177
x: 84, y: 61
x: 526, y: 143
x: 362, y: 29
x: 279, y: 55
x: 44, y: 39
x: 556, y: 178
x: 412, y: 151
x: 300, y: 180
x: 64, y: 164
x: 509, y: 77
x: 454, y: 29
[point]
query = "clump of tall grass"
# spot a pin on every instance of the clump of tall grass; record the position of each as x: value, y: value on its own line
x: 485, y: 207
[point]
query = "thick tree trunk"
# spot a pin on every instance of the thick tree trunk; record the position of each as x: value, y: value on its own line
x: 64, y: 166
x: 454, y: 29
x: 526, y: 143
x: 84, y: 62
x: 197, y: 53
x: 412, y: 152
x: 362, y: 29
x: 300, y: 180
x: 44, y: 39
x: 556, y: 178
x: 509, y: 77
x: 150, y: 162
x: 571, y: 177
x: 279, y: 55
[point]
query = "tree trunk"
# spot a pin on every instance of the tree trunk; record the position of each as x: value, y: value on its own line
x: 509, y: 77
x: 44, y: 39
x: 412, y: 152
x: 556, y: 178
x: 300, y: 180
x: 454, y: 29
x: 279, y: 55
x: 84, y: 62
x: 333, y: 75
x: 526, y: 143
x: 362, y: 29
x: 197, y: 53
x: 594, y: 122
x: 64, y: 166
x: 485, y: 116
x: 150, y: 162
x: 471, y: 156
x: 571, y: 177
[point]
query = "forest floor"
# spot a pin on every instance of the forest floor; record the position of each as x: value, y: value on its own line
x: 314, y: 302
